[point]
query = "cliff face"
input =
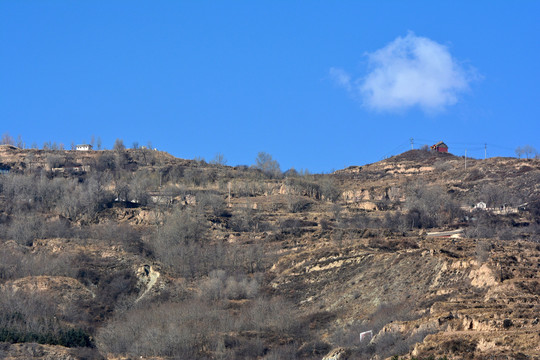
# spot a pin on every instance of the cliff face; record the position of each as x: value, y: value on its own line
x: 266, y: 267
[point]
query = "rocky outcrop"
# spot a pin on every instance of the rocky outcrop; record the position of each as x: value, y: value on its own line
x: 338, y: 354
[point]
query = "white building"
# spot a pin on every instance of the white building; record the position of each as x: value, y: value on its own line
x: 83, y: 147
x: 481, y: 205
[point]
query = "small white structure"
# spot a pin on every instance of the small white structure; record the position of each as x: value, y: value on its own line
x: 366, y: 335
x: 481, y: 205
x: 84, y: 147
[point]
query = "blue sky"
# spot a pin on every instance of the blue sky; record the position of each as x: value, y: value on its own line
x: 318, y: 85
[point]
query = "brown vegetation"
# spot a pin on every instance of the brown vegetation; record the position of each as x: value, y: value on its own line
x: 135, y: 253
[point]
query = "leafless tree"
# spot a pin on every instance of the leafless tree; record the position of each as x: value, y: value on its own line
x: 267, y: 164
x: 219, y: 159
x: 213, y: 202
x: 138, y: 188
x: 429, y: 206
x: 529, y: 151
x: 179, y: 242
x: 20, y: 143
x: 329, y: 190
x: 119, y: 145
x: 7, y: 139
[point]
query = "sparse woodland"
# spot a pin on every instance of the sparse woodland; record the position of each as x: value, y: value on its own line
x: 135, y: 253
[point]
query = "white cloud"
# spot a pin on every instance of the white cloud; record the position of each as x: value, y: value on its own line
x: 410, y: 71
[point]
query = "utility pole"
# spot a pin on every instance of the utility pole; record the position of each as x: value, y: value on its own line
x: 412, y: 143
x: 485, y: 151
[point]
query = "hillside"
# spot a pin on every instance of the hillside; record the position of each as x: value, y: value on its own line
x: 137, y: 254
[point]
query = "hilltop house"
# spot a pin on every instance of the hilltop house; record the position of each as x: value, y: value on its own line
x: 439, y: 147
x: 84, y: 147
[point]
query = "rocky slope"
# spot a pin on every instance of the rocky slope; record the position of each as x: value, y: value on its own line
x: 286, y: 267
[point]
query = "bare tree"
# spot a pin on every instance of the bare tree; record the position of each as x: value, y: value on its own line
x: 212, y: 202
x: 529, y: 151
x: 267, y: 164
x: 7, y: 139
x: 329, y: 190
x: 429, y: 206
x: 178, y: 243
x: 497, y: 195
x: 219, y: 159
x: 138, y: 188
x: 119, y: 145
x: 20, y: 143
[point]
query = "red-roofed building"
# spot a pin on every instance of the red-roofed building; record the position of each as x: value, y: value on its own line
x: 440, y: 147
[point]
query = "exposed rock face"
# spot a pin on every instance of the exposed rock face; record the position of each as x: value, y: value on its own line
x: 338, y: 354
x: 483, y: 277
x: 148, y: 279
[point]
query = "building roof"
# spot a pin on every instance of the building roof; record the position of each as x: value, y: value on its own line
x: 438, y: 145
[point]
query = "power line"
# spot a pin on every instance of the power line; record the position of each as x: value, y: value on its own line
x: 393, y: 151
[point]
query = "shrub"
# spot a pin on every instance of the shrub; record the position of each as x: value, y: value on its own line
x: 35, y: 318
x: 25, y: 230
x: 329, y: 190
x: 212, y: 202
x: 16, y: 264
x: 483, y: 250
x: 297, y: 204
x: 429, y: 206
x: 56, y: 161
x: 106, y: 161
x: 245, y: 219
x: 303, y: 187
x: 178, y: 243
x: 313, y: 348
x: 218, y: 286
x: 195, y: 176
x: 85, y: 200
x: 291, y: 227
x: 117, y: 234
x: 178, y: 330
